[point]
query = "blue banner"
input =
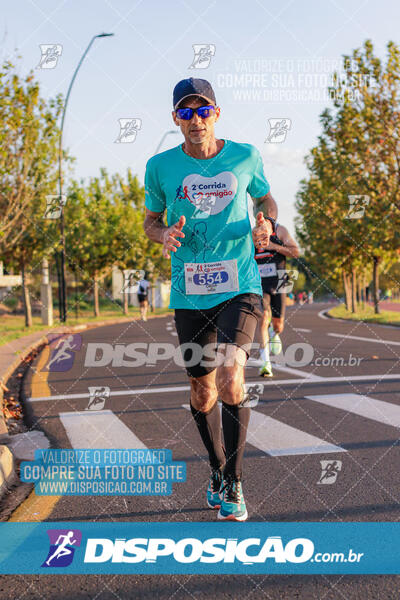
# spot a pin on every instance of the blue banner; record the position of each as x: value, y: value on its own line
x: 200, y: 548
x: 103, y: 472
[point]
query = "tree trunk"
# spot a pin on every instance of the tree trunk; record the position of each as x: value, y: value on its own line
x: 346, y: 288
x: 76, y: 294
x: 96, y: 296
x: 353, y: 291
x: 26, y: 297
x: 360, y: 284
x: 153, y: 296
x: 59, y: 292
x: 377, y: 309
x: 125, y: 296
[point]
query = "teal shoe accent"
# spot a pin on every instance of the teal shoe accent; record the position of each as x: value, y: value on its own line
x: 233, y: 507
x: 213, y: 490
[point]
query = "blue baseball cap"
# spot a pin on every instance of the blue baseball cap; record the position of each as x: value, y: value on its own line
x: 193, y: 87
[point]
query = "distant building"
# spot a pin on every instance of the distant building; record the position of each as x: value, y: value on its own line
x: 7, y: 282
x: 162, y: 290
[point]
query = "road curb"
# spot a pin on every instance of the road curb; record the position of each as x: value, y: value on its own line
x: 324, y: 314
x: 7, y: 462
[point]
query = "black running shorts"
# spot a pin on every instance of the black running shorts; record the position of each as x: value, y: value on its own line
x: 231, y: 322
x: 272, y: 298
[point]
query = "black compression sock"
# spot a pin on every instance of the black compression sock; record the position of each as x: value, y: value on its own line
x: 209, y: 426
x: 235, y: 420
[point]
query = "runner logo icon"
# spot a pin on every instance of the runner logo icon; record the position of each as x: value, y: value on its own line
x: 131, y: 280
x: 62, y: 547
x: 252, y: 394
x: 54, y: 204
x: 62, y: 351
x: 286, y: 280
x: 128, y: 130
x: 98, y: 397
x: 330, y: 470
x: 357, y: 206
x: 202, y: 55
x: 50, y: 55
x: 278, y: 129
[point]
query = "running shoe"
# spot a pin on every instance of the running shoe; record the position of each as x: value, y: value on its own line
x: 233, y: 507
x: 213, y: 490
x: 275, y: 344
x: 266, y: 369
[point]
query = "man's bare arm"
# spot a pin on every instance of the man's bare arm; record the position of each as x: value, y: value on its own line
x: 290, y: 248
x: 153, y: 226
x: 267, y: 205
x: 156, y: 231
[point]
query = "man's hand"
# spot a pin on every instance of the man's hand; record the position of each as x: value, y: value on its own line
x: 170, y: 243
x: 262, y: 231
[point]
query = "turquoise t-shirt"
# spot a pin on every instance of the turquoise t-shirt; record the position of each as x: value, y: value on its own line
x: 218, y: 248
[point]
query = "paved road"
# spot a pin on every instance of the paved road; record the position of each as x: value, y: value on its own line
x: 389, y: 305
x: 336, y: 397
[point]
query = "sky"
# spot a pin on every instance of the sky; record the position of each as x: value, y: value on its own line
x: 268, y: 62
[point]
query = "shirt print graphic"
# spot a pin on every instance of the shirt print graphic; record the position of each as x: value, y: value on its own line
x: 209, y: 194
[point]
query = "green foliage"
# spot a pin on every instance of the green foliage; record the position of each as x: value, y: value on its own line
x: 28, y: 165
x: 357, y: 154
x: 104, y: 227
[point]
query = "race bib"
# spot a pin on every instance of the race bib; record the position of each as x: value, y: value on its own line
x: 211, y: 278
x: 267, y: 270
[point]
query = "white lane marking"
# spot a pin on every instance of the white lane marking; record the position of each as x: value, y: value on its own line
x: 363, y: 339
x: 178, y: 388
x: 297, y: 372
x: 256, y: 362
x: 322, y: 314
x: 269, y: 382
x: 171, y: 328
x: 364, y: 406
x: 278, y: 439
x: 302, y: 330
x: 102, y: 429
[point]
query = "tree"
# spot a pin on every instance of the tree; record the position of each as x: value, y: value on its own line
x: 355, y: 159
x: 104, y: 227
x: 136, y: 250
x: 28, y: 171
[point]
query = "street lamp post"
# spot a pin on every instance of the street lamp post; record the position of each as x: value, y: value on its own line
x: 163, y: 138
x: 61, y: 263
x: 171, y: 131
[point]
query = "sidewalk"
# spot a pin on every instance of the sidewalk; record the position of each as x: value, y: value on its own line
x: 388, y: 305
x: 11, y: 355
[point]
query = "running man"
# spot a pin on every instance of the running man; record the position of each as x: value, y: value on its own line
x: 62, y: 549
x: 216, y: 288
x: 272, y: 263
x: 63, y: 347
x: 143, y: 297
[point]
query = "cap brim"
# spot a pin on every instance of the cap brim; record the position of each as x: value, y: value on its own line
x: 189, y: 95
